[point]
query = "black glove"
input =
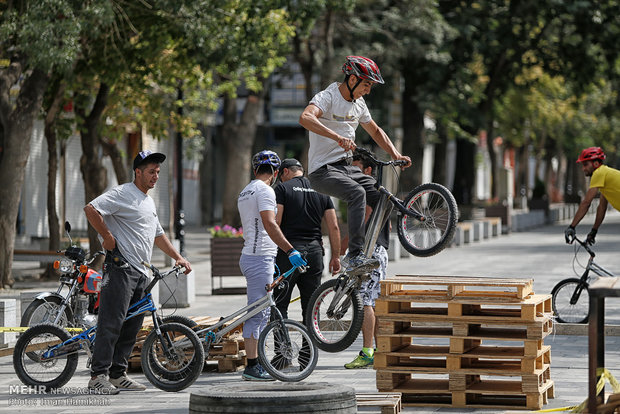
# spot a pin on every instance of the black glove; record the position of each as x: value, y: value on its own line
x: 569, y: 234
x: 591, y: 236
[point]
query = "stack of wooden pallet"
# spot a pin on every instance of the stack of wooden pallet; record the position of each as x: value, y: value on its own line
x: 229, y: 353
x: 464, y: 342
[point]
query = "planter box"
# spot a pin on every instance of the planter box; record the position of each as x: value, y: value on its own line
x: 225, y: 255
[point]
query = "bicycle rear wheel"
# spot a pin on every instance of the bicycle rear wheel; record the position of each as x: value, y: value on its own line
x: 28, y: 357
x: 174, y: 359
x: 286, y: 350
x: 428, y: 237
x: 334, y: 330
x: 567, y: 291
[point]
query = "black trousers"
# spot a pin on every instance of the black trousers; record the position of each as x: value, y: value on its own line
x: 121, y: 287
x: 307, y: 282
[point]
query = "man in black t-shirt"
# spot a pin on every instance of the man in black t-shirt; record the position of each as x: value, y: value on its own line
x: 300, y: 212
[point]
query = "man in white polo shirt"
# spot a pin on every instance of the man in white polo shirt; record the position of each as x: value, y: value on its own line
x: 332, y: 118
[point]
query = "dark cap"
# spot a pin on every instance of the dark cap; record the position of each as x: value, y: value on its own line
x: 147, y: 156
x: 288, y: 163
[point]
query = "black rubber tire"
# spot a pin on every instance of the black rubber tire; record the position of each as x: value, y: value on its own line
x: 560, y: 299
x: 24, y: 364
x: 178, y: 378
x: 299, y: 398
x: 322, y: 337
x: 442, y: 216
x: 37, y: 303
x: 300, y: 346
x: 183, y: 320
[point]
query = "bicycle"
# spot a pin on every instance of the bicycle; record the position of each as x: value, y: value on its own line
x: 285, y: 348
x: 426, y: 222
x: 570, y: 297
x: 172, y: 355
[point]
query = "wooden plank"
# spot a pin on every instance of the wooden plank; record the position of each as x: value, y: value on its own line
x: 389, y: 402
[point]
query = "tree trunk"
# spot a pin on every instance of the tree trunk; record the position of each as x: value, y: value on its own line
x: 464, y: 172
x: 441, y: 147
x: 16, y: 125
x: 239, y: 139
x: 93, y: 170
x: 52, y: 173
x: 414, y: 137
x: 110, y: 148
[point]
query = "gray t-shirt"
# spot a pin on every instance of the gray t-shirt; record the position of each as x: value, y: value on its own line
x: 342, y: 117
x: 132, y: 219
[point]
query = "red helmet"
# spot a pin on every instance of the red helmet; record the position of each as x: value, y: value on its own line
x: 590, y: 154
x: 363, y: 68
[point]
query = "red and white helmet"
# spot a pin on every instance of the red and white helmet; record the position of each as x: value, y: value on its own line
x: 590, y: 154
x: 363, y: 68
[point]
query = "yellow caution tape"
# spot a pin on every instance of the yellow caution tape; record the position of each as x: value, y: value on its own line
x: 295, y: 300
x: 25, y: 328
x: 605, y: 375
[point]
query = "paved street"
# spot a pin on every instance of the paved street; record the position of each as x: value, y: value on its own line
x: 539, y: 254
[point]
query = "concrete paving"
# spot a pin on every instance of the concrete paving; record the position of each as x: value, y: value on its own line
x: 539, y: 254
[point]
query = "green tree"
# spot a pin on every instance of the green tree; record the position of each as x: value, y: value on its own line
x: 36, y: 39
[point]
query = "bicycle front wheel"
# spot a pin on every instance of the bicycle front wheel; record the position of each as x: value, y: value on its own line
x: 430, y: 236
x: 33, y: 367
x: 571, y: 301
x: 334, y: 320
x: 173, y: 359
x: 286, y: 350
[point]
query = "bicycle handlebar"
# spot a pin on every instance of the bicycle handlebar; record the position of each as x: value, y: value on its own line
x: 302, y: 269
x: 368, y: 154
x: 585, y: 245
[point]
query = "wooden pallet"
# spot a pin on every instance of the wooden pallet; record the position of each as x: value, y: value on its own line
x: 469, y: 309
x: 493, y: 359
x: 489, y: 350
x: 450, y: 287
x: 476, y: 392
x: 390, y: 402
x: 453, y: 328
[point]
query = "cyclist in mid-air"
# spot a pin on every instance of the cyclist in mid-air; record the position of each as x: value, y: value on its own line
x: 605, y: 180
x: 331, y: 119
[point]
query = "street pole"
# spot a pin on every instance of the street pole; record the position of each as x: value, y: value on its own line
x: 180, y: 222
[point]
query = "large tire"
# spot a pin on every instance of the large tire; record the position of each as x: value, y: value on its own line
x: 428, y: 237
x: 44, y: 311
x: 299, y: 398
x: 337, y: 332
x: 561, y: 296
x: 179, y: 370
x: 53, y: 373
x: 287, y: 354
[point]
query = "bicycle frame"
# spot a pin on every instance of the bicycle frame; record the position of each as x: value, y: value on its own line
x: 86, y: 339
x: 215, y: 333
x: 381, y: 213
x: 590, y: 267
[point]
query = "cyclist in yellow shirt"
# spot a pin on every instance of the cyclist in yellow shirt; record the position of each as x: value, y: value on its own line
x: 604, y: 179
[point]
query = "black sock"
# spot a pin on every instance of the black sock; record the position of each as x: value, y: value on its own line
x: 252, y: 362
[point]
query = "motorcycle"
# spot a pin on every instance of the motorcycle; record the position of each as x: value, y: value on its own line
x: 80, y: 305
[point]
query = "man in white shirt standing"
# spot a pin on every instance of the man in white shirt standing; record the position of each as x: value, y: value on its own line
x: 128, y: 226
x: 262, y: 235
x: 332, y: 118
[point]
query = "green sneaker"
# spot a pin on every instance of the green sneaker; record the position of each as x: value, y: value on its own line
x: 360, y: 361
